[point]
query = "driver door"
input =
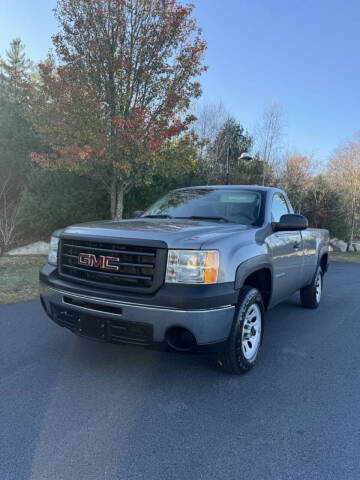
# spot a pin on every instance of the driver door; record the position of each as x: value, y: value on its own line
x: 287, y: 254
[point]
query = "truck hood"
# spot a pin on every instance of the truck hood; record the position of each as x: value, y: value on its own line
x: 172, y: 233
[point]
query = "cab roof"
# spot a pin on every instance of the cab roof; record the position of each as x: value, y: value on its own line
x: 231, y: 187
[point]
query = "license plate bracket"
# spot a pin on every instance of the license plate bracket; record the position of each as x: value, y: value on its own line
x: 93, y: 327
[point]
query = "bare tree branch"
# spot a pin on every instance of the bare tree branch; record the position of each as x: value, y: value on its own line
x: 268, y: 138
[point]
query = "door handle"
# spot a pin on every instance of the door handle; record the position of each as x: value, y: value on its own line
x: 296, y: 246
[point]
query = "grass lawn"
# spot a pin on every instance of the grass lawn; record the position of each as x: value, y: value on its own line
x: 19, y: 278
x: 345, y: 257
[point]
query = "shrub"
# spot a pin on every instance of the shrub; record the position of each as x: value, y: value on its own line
x: 54, y: 199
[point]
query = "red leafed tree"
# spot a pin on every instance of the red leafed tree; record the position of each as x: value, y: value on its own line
x: 123, y: 78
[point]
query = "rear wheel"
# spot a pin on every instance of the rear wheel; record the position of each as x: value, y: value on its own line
x: 244, y: 343
x: 311, y: 295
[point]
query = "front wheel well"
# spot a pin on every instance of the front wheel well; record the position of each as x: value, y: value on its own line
x: 324, y: 262
x: 261, y: 279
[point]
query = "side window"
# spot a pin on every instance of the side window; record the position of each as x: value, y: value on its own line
x: 279, y: 207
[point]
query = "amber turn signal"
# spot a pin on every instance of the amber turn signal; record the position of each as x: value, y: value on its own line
x: 211, y: 267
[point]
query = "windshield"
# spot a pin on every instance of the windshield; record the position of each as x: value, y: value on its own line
x: 238, y: 206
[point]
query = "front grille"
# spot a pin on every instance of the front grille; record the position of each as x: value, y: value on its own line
x: 139, y: 268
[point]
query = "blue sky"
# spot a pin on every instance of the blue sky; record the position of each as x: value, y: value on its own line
x: 302, y: 54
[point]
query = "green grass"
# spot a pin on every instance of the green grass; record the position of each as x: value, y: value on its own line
x: 19, y: 278
x: 353, y: 257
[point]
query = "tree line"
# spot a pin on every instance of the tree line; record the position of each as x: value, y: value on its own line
x: 112, y: 120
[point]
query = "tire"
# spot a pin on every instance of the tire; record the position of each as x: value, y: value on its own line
x: 244, y: 343
x: 311, y: 295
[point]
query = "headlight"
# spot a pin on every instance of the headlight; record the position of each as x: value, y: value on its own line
x: 192, y: 266
x: 53, y: 252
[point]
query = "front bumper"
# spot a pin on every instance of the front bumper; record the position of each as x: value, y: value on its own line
x: 125, y: 322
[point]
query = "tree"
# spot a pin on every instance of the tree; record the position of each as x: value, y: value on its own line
x: 296, y: 177
x: 8, y: 214
x: 17, y: 138
x: 210, y: 117
x: 251, y: 172
x: 15, y: 69
x: 15, y: 130
x: 182, y: 154
x: 121, y: 88
x: 344, y: 172
x: 323, y: 205
x: 55, y: 199
x: 231, y: 135
x: 268, y: 139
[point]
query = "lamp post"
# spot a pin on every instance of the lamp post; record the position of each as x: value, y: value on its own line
x: 245, y: 156
x: 228, y: 166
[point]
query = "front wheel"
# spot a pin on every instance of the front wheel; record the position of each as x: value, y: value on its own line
x: 311, y: 295
x: 243, y: 346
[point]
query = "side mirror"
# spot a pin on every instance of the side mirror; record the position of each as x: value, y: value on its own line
x: 291, y: 221
x: 138, y: 213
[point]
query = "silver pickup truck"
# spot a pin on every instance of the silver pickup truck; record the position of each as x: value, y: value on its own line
x: 196, y: 271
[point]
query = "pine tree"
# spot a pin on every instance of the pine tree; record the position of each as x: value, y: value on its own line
x: 232, y: 135
x: 15, y: 71
x: 17, y: 139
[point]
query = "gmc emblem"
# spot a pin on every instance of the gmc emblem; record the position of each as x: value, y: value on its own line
x: 101, y: 261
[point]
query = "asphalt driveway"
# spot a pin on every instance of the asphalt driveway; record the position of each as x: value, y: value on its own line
x: 75, y: 409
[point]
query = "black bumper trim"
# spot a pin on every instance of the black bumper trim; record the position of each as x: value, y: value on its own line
x: 118, y: 331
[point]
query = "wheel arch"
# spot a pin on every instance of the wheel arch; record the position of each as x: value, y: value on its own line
x: 258, y: 273
x: 324, y: 261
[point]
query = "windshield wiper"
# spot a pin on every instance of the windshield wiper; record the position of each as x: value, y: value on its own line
x: 157, y: 216
x: 202, y: 217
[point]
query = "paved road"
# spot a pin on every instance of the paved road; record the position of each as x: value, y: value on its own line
x: 75, y: 409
